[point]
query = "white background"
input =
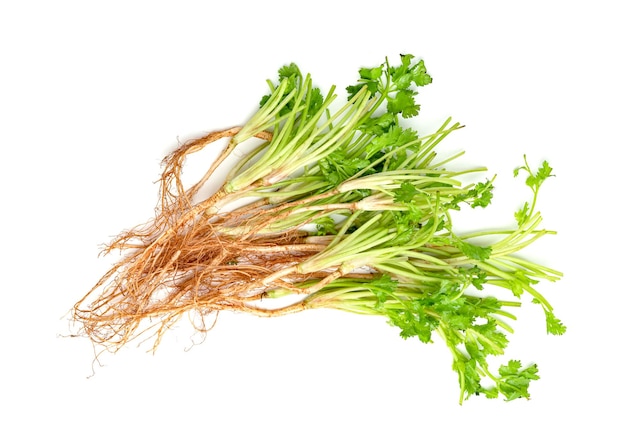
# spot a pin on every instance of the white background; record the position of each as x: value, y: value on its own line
x: 94, y: 94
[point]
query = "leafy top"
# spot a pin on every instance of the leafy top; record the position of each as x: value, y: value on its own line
x: 397, y: 85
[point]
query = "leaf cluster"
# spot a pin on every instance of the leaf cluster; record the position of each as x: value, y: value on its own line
x: 398, y: 84
x: 398, y: 224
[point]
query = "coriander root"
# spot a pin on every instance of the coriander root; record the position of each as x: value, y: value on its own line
x: 337, y: 207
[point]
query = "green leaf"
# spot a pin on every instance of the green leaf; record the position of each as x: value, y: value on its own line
x: 371, y: 73
x: 404, y: 103
x: 378, y: 125
x: 325, y: 225
x: 514, y: 380
x: 522, y: 215
x: 491, y: 392
x: 384, y: 283
x: 474, y: 351
x: 317, y: 100
x: 486, y: 306
x: 288, y: 71
x: 482, y: 194
x: 386, y: 140
x: 544, y: 172
x: 408, y: 225
x: 389, y: 139
x: 264, y: 99
x: 478, y: 196
x: 412, y: 324
x: 477, y: 276
x: 369, y: 77
x: 419, y: 76
x: 535, y: 180
x: 293, y: 76
x: 516, y: 287
x: 473, y: 251
x: 553, y: 324
x: 339, y: 166
x: 405, y: 74
x: 469, y: 377
x: 405, y: 193
x: 383, y: 288
x: 492, y: 340
x: 353, y: 90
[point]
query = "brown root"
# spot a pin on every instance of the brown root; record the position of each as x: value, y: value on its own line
x: 180, y: 263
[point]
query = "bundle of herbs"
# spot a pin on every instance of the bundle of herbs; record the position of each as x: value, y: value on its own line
x: 335, y: 206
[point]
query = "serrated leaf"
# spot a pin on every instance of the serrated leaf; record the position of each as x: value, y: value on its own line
x: 494, y: 341
x: 317, y: 100
x: 544, y: 171
x: 371, y: 73
x: 287, y: 71
x: 522, y: 215
x: 405, y: 193
x: 491, y: 392
x: 383, y: 289
x: 478, y: 196
x: 403, y: 103
x: 379, y: 125
x: 405, y: 74
x: 325, y: 225
x: 412, y: 321
x: 554, y: 325
x: 478, y: 277
x: 482, y: 194
x: 514, y: 380
x: 339, y: 166
x: 469, y: 377
x: 474, y: 251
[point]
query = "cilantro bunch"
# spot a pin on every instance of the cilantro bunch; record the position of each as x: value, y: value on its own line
x: 340, y: 206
